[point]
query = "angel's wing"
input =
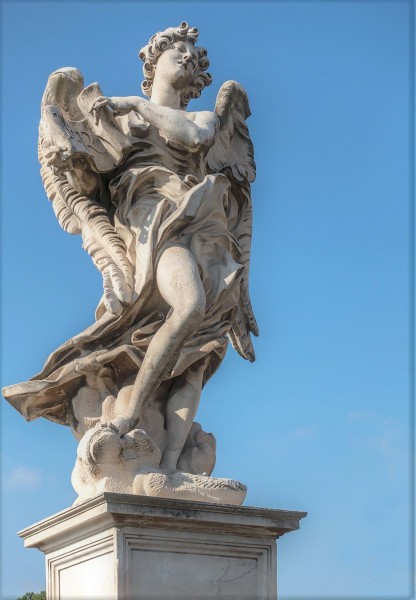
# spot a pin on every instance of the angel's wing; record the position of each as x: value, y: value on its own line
x: 75, y: 187
x: 232, y: 154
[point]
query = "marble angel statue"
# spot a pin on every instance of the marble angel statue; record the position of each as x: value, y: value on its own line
x: 161, y: 197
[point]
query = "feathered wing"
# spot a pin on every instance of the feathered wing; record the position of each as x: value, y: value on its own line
x: 67, y: 124
x: 232, y: 154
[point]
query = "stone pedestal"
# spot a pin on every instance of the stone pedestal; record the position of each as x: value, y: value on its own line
x: 139, y: 548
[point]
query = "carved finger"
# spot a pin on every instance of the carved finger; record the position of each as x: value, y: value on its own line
x: 54, y: 162
x: 50, y: 158
x: 50, y: 151
x: 97, y: 101
x: 101, y: 104
x: 54, y: 150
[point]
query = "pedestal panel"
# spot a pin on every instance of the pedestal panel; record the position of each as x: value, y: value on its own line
x: 125, y: 547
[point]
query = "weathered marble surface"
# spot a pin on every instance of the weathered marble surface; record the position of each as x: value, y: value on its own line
x: 134, y: 548
x: 161, y: 197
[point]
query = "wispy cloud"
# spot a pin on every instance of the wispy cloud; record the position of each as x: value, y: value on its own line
x: 23, y: 477
x: 383, y: 434
x: 306, y: 431
x: 391, y: 442
x: 360, y: 415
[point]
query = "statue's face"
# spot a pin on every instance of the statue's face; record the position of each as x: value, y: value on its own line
x: 177, y: 64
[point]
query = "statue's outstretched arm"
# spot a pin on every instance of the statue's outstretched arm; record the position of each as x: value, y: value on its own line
x: 194, y: 132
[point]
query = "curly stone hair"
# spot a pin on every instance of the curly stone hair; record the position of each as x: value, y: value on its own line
x: 162, y: 41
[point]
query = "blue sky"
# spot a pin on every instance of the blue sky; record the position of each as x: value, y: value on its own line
x: 321, y: 421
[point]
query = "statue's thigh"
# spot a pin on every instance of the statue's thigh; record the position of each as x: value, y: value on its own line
x: 178, y: 279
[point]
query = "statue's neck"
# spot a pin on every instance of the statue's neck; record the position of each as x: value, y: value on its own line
x: 164, y: 95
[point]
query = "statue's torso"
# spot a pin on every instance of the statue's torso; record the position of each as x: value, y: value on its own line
x: 155, y: 150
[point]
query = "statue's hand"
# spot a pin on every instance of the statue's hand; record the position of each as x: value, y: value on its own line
x: 100, y: 103
x: 54, y: 159
x: 119, y: 105
x: 122, y: 106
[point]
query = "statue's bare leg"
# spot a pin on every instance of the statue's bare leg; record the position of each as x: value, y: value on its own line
x: 180, y: 285
x: 180, y: 413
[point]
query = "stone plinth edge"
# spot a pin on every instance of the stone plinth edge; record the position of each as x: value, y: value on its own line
x: 117, y: 510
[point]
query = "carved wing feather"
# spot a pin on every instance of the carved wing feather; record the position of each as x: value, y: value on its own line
x: 66, y: 218
x: 233, y: 147
x: 233, y: 155
x: 79, y: 212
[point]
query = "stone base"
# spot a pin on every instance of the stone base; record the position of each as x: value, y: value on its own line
x: 128, y: 547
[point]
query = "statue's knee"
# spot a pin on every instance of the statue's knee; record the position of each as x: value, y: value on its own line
x: 191, y: 312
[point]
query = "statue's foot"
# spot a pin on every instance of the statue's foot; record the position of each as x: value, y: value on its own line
x: 169, y: 461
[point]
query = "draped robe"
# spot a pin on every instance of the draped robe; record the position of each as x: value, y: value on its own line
x: 161, y: 196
